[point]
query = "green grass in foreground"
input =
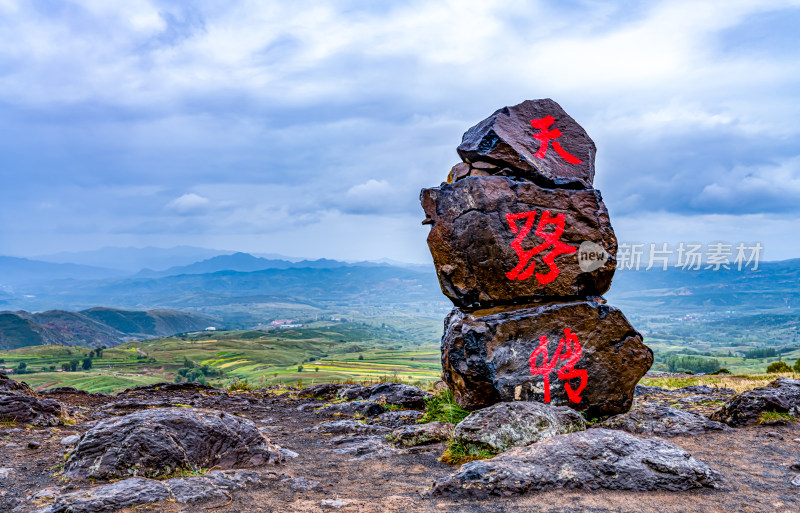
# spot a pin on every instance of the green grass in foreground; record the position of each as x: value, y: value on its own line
x: 442, y: 407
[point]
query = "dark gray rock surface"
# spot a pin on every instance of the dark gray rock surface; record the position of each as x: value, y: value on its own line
x: 398, y: 394
x: 502, y: 426
x: 396, y: 418
x: 10, y: 386
x: 592, y: 459
x: 350, y: 426
x: 353, y: 408
x: 781, y: 396
x: 420, y: 434
x: 157, y: 442
x: 122, y: 494
x: 662, y: 421
x: 27, y: 409
x: 193, y: 489
x: 359, y: 447
x: 384, y: 393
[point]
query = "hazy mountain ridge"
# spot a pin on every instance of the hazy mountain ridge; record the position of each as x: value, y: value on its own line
x: 241, y: 278
x: 95, y: 327
x: 773, y: 286
x: 131, y: 259
x: 243, y: 262
x: 16, y: 272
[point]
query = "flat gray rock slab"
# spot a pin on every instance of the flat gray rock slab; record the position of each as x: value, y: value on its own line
x: 193, y: 489
x: 136, y: 491
x: 350, y: 426
x: 111, y: 497
x: 421, y: 434
x: 662, y: 421
x: 597, y: 458
x: 353, y: 408
x: 502, y: 426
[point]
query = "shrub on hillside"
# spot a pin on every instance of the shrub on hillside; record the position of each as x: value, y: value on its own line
x: 692, y: 364
x: 775, y: 367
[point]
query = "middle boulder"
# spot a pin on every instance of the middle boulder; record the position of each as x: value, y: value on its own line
x: 482, y: 233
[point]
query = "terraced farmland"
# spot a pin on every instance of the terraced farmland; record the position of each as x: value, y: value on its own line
x: 341, y: 352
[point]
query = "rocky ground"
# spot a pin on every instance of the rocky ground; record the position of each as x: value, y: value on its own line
x: 328, y: 453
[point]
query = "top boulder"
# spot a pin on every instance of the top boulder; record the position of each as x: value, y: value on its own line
x: 538, y: 139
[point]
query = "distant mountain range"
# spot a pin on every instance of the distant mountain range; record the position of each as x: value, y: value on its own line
x: 132, y: 260
x: 95, y: 327
x: 773, y: 287
x: 243, y: 262
x: 221, y: 279
x: 236, y: 281
x: 21, y: 272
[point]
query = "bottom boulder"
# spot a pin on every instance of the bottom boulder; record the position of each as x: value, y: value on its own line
x: 581, y: 354
x: 597, y: 458
x: 157, y: 442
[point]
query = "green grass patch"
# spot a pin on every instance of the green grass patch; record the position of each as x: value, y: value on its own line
x: 443, y: 407
x: 769, y: 416
x: 240, y: 385
x: 458, y: 453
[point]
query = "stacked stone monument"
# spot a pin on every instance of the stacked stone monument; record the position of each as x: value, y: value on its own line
x: 524, y: 248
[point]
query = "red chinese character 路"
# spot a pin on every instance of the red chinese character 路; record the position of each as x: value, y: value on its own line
x: 569, y: 350
x: 520, y: 272
x: 546, y: 135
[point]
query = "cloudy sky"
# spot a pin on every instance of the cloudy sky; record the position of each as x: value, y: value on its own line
x: 308, y: 128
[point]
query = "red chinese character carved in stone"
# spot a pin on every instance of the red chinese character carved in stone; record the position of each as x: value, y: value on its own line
x: 546, y: 135
x: 569, y: 350
x: 520, y: 272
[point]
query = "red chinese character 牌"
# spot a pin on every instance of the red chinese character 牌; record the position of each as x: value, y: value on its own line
x: 546, y: 135
x: 569, y: 350
x: 520, y: 272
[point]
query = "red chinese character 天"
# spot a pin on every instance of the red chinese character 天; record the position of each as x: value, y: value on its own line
x: 546, y: 135
x: 569, y: 350
x: 520, y: 272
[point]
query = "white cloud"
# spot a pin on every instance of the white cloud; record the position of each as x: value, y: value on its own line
x: 189, y: 204
x: 289, y: 113
x: 766, y: 188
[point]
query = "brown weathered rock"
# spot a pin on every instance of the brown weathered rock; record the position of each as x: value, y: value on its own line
x: 486, y: 356
x: 471, y: 238
x: 157, y: 442
x: 507, y: 138
x: 26, y: 409
x: 9, y: 386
